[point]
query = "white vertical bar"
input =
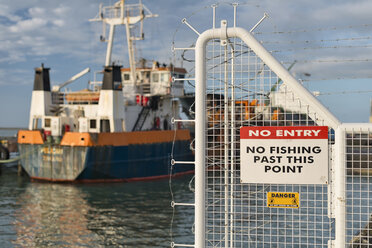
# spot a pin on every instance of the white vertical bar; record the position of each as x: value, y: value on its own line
x: 200, y: 126
x: 370, y: 113
x: 122, y: 9
x: 339, y: 181
x: 109, y: 45
x: 226, y: 146
x: 235, y: 5
x: 232, y: 148
x: 132, y: 61
x: 214, y: 16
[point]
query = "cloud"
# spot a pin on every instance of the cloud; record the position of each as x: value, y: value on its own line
x: 351, y: 12
x: 36, y: 11
x: 7, y: 13
x: 28, y: 30
x: 61, y: 10
x: 47, y: 29
x: 58, y: 23
x: 29, y: 25
x: 60, y: 35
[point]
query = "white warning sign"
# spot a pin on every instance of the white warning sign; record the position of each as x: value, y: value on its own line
x: 284, y: 155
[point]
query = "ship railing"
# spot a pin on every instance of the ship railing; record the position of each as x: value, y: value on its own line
x: 75, y: 98
x: 95, y: 85
x: 58, y: 98
x: 129, y: 10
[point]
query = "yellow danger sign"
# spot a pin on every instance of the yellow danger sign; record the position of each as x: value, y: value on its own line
x: 283, y: 199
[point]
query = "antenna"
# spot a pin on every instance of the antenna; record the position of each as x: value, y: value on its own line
x: 127, y: 15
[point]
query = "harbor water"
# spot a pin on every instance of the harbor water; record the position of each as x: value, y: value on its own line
x: 138, y: 214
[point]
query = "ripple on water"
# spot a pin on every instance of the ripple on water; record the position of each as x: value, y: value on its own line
x: 97, y: 215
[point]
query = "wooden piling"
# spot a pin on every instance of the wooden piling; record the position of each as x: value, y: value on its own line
x: 20, y: 169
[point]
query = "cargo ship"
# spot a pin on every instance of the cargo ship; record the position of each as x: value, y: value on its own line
x: 119, y: 129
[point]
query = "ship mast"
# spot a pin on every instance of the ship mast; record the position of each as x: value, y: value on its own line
x: 128, y: 15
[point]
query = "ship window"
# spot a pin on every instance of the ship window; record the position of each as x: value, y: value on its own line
x: 126, y: 77
x: 47, y: 122
x: 155, y: 77
x: 93, y: 124
x: 36, y: 124
x: 146, y: 77
x: 105, y: 126
x: 181, y: 76
x: 164, y: 77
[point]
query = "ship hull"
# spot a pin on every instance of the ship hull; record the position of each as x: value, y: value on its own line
x: 104, y: 163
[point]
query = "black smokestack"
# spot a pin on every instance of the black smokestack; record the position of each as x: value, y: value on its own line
x: 111, y: 76
x: 42, y: 80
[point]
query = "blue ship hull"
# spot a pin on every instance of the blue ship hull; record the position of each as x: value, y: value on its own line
x: 104, y: 163
x: 135, y: 162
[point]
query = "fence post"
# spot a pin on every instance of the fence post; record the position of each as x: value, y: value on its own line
x: 200, y: 140
x: 339, y: 182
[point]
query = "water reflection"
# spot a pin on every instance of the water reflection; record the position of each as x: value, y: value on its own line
x: 102, y: 215
x: 53, y: 215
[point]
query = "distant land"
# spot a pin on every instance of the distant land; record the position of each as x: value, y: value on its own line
x: 9, y: 131
x: 12, y: 128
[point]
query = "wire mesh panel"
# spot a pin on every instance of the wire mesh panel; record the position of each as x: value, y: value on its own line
x: 241, y: 91
x: 357, y: 141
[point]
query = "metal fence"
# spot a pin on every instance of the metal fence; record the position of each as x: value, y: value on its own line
x: 353, y: 166
x: 240, y: 84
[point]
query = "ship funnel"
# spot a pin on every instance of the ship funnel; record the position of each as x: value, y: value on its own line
x: 42, y: 79
x: 41, y: 100
x: 112, y: 78
x: 111, y: 104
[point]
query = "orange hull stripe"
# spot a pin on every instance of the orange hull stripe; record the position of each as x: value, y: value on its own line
x: 77, y: 139
x: 108, y: 139
x: 30, y: 137
x: 141, y: 137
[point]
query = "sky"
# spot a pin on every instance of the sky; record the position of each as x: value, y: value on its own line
x: 331, y: 42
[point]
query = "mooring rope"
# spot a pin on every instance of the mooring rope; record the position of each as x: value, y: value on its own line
x: 6, y: 161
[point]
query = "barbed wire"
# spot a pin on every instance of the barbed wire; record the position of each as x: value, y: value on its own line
x: 319, y: 47
x: 344, y: 92
x: 317, y: 41
x: 337, y: 78
x: 329, y: 61
x: 363, y: 60
x: 315, y: 29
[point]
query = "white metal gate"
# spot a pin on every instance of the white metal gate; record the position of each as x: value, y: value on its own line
x: 239, y: 84
x: 246, y: 86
